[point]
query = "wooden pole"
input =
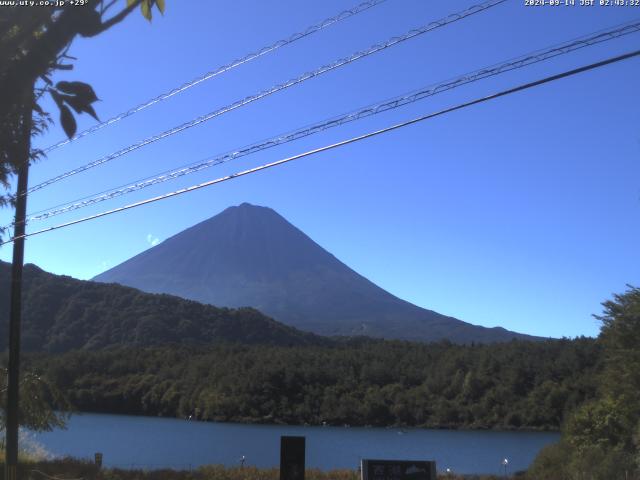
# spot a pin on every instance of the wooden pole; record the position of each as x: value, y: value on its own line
x: 15, y: 311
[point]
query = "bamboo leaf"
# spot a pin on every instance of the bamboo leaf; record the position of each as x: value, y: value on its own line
x: 145, y: 8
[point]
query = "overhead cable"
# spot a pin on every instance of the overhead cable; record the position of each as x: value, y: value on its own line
x: 222, y: 69
x: 265, y: 93
x: 336, y: 145
x: 496, y: 69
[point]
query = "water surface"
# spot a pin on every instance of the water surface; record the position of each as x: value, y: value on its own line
x: 146, y: 442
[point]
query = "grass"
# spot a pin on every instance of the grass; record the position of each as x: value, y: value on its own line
x: 73, y: 469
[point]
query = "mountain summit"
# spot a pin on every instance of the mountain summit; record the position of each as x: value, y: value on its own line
x: 251, y: 256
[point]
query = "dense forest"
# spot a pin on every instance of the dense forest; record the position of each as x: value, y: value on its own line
x: 106, y: 348
x: 356, y: 382
x: 115, y: 349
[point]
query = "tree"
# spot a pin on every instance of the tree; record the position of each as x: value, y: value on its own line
x: 620, y: 335
x: 33, y: 45
x: 44, y: 404
x: 601, y: 440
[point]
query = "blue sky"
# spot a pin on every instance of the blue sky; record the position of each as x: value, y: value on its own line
x: 521, y: 212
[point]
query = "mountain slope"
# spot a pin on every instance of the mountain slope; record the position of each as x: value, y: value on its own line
x: 61, y: 313
x: 251, y: 256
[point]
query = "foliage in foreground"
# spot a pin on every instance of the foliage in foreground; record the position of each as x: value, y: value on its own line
x: 42, y: 404
x: 362, y: 382
x: 34, y: 43
x: 601, y: 439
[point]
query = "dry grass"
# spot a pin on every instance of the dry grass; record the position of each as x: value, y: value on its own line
x: 72, y: 469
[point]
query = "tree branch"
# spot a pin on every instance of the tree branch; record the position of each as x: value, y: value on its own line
x: 106, y: 25
x: 42, y: 53
x: 107, y: 6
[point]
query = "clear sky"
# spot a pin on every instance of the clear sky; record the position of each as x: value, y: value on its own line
x: 521, y: 212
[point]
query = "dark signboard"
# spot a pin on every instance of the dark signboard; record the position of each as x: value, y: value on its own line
x: 292, y: 458
x: 398, y: 470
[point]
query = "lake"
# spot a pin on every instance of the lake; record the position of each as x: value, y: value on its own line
x: 147, y: 442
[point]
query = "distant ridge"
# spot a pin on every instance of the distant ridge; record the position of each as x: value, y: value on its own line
x: 61, y: 313
x: 251, y: 256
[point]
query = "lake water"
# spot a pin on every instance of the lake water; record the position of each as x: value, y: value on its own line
x: 144, y: 442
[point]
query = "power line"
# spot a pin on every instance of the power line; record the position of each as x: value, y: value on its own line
x: 496, y: 69
x: 338, y: 144
x: 222, y: 69
x: 265, y: 93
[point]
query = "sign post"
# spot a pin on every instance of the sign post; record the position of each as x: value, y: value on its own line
x: 398, y: 470
x: 292, y: 458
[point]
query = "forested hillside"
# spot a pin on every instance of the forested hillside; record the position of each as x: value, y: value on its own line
x: 62, y: 313
x: 360, y: 382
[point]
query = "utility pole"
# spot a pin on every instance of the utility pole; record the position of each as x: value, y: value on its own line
x: 23, y: 151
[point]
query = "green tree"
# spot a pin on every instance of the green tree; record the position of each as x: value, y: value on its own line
x: 620, y: 336
x: 601, y: 440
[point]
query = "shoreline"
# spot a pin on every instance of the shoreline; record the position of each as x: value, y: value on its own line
x: 252, y: 421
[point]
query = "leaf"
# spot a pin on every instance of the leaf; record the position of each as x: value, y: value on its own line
x: 38, y: 108
x: 56, y: 97
x: 74, y: 102
x: 77, y: 95
x: 130, y: 2
x: 160, y: 4
x: 89, y: 109
x: 67, y: 121
x: 82, y: 90
x: 79, y: 105
x: 145, y: 8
